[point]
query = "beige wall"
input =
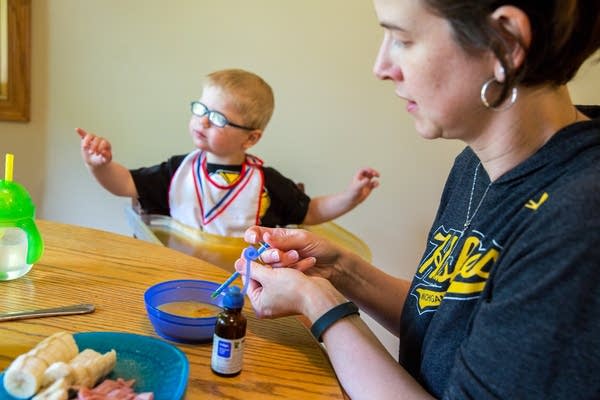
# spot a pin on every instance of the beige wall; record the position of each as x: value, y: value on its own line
x: 128, y: 69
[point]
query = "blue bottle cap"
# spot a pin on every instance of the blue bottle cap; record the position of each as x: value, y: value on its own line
x: 234, y: 298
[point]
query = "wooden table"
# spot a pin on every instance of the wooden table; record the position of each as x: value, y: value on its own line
x: 81, y: 265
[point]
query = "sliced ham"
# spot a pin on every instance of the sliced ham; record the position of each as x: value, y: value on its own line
x: 110, y: 389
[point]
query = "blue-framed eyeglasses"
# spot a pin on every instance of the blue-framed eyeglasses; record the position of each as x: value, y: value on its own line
x: 216, y: 118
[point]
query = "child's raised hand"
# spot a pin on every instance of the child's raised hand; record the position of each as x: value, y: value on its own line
x: 364, y: 181
x: 95, y: 150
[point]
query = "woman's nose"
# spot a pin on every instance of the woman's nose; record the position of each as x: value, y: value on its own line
x: 381, y: 64
x: 384, y: 66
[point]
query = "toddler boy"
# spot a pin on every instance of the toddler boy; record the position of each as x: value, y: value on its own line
x: 219, y: 187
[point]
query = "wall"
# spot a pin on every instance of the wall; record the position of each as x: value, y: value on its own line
x: 128, y: 69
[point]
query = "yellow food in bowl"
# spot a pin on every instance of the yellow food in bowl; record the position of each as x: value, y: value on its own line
x: 190, y: 309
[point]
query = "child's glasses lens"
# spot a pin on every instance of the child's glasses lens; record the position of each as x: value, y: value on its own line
x: 215, y: 117
x: 218, y: 119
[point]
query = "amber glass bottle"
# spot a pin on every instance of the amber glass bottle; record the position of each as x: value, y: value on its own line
x: 230, y: 333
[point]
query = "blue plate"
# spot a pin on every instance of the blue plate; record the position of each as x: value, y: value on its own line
x: 156, y: 366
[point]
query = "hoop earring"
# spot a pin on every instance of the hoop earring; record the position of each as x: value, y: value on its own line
x: 512, y: 99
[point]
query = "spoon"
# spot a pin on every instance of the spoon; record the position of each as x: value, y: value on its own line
x: 48, y: 312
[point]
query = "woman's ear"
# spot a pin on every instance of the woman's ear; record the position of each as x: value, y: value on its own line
x: 514, y: 24
x: 253, y: 138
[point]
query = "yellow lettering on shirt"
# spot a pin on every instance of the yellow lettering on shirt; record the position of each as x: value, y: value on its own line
x: 458, y: 273
x: 534, y: 205
x: 429, y: 298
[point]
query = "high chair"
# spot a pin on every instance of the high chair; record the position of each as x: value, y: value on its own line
x: 219, y: 250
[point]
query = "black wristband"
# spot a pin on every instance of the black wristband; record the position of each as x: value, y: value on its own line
x: 331, y: 317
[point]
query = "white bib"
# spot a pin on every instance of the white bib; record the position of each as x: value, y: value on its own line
x: 212, y: 204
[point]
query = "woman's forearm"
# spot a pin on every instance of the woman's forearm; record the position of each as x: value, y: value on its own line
x: 364, y: 367
x: 371, y: 289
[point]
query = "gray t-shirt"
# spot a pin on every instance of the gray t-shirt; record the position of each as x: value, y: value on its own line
x: 511, y: 307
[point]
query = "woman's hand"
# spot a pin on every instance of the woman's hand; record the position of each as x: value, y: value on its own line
x: 279, y: 292
x: 296, y: 248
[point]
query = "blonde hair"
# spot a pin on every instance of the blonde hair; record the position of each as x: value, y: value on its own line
x: 249, y: 94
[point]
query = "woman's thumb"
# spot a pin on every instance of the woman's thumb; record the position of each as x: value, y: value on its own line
x: 257, y: 271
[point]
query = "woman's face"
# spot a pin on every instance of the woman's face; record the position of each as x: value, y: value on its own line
x: 438, y: 79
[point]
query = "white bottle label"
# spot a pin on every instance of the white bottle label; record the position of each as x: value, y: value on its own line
x: 227, y: 355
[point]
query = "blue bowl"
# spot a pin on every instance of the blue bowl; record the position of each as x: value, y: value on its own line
x: 176, y: 328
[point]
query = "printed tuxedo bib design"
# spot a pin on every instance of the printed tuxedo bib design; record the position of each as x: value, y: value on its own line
x: 210, y: 203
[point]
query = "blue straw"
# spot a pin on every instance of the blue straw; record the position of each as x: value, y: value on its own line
x: 250, y: 254
x: 225, y: 284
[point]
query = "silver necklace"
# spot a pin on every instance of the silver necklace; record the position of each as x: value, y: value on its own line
x: 469, y: 216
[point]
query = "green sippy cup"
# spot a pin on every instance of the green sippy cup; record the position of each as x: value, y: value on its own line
x: 21, y: 244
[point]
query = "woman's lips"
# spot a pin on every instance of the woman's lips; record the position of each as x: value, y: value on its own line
x: 411, y: 105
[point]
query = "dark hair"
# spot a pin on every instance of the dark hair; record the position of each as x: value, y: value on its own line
x: 564, y: 33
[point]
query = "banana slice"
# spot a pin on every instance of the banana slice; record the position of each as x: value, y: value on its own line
x: 71, y: 345
x: 59, y: 390
x: 59, y: 347
x: 24, y: 376
x: 56, y: 371
x: 65, y: 343
x: 90, y: 366
x: 85, y: 356
x: 55, y: 364
x: 75, y: 370
x: 82, y: 373
x: 101, y: 366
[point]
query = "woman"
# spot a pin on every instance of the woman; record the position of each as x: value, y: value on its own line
x: 505, y: 301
